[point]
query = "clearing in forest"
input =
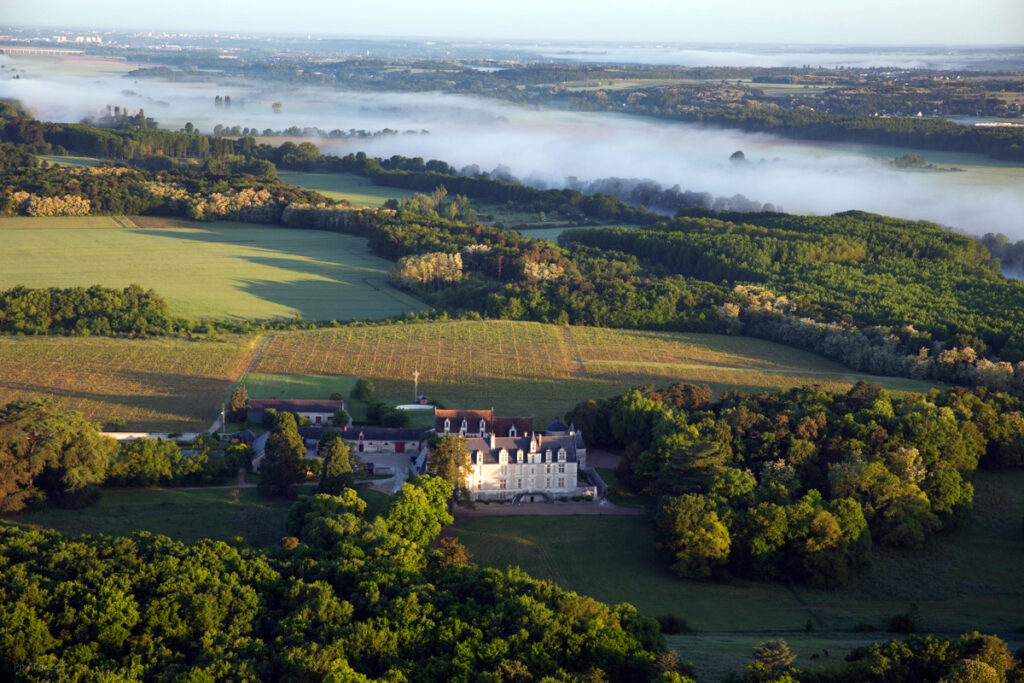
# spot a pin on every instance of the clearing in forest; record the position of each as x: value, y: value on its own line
x: 220, y: 270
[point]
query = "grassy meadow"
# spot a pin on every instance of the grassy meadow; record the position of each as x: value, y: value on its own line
x: 965, y: 580
x: 356, y: 189
x: 544, y: 370
x: 206, y: 270
x: 153, y: 384
x: 188, y: 515
x: 183, y: 514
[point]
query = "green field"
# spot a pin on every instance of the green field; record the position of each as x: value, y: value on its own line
x: 206, y: 270
x: 543, y: 370
x: 356, y: 189
x: 966, y: 580
x: 187, y: 515
x: 183, y: 514
x: 162, y: 384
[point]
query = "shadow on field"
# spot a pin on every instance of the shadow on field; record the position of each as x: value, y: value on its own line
x: 342, y: 277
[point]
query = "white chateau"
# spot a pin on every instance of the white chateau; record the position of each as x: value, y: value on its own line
x: 510, y: 461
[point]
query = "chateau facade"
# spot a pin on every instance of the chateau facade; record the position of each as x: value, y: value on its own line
x: 515, y: 462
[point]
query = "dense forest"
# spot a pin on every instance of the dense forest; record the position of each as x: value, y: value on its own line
x: 800, y: 485
x: 916, y: 278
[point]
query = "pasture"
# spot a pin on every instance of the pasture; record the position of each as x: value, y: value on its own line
x: 153, y: 384
x: 965, y: 580
x: 352, y: 188
x: 186, y: 514
x: 526, y: 368
x: 219, y: 270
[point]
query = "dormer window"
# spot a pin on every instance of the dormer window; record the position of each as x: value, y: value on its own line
x: 503, y: 457
x: 512, y: 431
x: 464, y: 427
x: 483, y: 426
x: 519, y: 455
x: 447, y: 425
x: 479, y: 458
x: 561, y: 455
x: 547, y: 455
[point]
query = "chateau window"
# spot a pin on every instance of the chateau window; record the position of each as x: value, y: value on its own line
x: 501, y: 483
x: 519, y: 483
x: 561, y: 482
x: 548, y: 483
x: 504, y: 469
x: 479, y: 485
x: 447, y: 425
x: 547, y: 455
x: 503, y: 456
x: 561, y: 468
x: 547, y: 469
x: 561, y: 455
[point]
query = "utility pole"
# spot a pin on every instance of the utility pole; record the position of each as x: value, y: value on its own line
x: 415, y: 385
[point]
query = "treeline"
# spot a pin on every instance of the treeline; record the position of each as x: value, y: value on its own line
x: 413, y: 173
x: 81, y: 311
x: 931, y: 289
x: 800, y: 485
x: 1009, y: 253
x: 207, y: 193
x: 915, y: 659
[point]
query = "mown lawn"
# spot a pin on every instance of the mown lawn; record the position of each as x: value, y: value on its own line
x: 218, y: 270
x: 183, y: 514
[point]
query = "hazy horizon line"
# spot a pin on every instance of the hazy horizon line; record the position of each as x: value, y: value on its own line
x: 499, y: 40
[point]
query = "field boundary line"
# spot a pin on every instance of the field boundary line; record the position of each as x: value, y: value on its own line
x: 259, y: 346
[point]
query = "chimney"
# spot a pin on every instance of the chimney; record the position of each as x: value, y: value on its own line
x: 493, y: 441
x: 540, y: 439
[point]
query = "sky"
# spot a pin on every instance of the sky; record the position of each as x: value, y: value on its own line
x: 865, y: 22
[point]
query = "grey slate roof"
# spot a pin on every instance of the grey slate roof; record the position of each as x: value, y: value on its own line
x: 295, y: 405
x: 369, y: 433
x: 513, y: 444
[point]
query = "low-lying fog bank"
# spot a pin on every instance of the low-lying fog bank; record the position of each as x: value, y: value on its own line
x: 551, y: 148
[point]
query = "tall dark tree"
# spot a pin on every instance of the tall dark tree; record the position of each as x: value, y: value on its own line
x: 282, y: 466
x: 449, y: 460
x: 49, y: 454
x: 337, y: 468
x: 239, y: 404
